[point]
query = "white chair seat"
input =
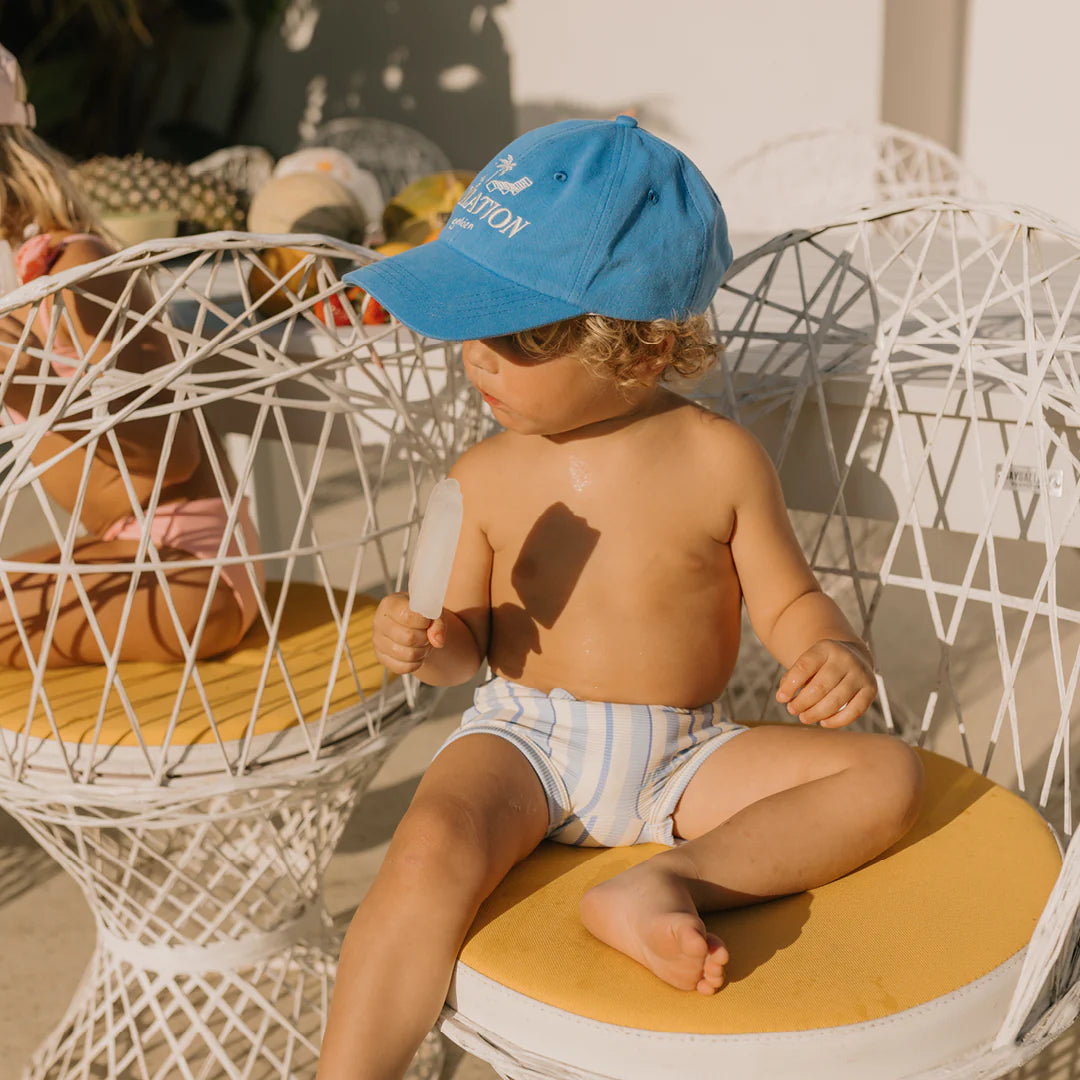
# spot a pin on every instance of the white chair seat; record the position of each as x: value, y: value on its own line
x: 136, y: 708
x: 905, y: 963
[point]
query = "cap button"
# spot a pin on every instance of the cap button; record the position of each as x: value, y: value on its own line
x: 626, y: 121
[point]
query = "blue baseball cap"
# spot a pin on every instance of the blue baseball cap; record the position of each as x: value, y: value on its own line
x: 577, y: 217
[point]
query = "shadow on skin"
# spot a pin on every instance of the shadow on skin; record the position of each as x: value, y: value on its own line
x: 544, y: 577
x: 150, y: 633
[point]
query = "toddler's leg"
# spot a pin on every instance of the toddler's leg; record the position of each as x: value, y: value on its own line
x: 150, y: 633
x: 479, y: 809
x: 774, y: 811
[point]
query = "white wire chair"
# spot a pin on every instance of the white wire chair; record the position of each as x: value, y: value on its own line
x: 197, y: 803
x: 815, y: 176
x: 913, y: 371
x: 395, y: 154
x: 246, y: 168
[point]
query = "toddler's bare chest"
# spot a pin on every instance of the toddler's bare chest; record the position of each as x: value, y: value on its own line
x: 548, y: 550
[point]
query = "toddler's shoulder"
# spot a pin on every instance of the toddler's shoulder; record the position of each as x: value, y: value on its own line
x: 486, y: 473
x: 485, y: 462
x: 719, y: 437
x: 731, y: 458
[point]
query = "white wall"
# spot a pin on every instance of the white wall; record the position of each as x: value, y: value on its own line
x: 715, y: 77
x: 1021, y: 98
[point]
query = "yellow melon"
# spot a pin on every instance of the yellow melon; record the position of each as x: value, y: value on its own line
x: 307, y: 202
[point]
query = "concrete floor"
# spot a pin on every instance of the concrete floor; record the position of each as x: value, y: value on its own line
x: 46, y: 934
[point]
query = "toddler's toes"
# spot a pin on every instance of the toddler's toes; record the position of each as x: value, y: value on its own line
x: 648, y: 913
x: 716, y: 959
x: 716, y: 951
x: 687, y: 932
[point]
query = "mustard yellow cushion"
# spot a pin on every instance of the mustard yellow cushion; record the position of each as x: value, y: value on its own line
x: 957, y: 897
x: 308, y: 638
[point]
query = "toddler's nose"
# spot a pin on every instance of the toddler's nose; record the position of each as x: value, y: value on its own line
x: 476, y: 354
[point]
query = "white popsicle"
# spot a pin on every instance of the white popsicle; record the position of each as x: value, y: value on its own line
x: 435, y: 549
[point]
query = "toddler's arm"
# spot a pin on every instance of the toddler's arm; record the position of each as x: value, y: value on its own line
x: 448, y: 650
x: 830, y: 671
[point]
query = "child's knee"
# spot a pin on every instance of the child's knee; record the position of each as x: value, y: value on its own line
x: 894, y: 774
x: 224, y: 629
x: 442, y: 837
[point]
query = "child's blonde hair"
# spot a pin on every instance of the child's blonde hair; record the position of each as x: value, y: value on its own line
x: 36, y: 188
x: 628, y: 350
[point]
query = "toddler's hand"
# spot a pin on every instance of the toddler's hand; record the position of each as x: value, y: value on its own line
x: 402, y: 638
x: 832, y: 683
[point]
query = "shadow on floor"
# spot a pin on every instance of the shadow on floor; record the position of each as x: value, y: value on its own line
x: 1059, y: 1061
x: 23, y: 863
x: 376, y: 816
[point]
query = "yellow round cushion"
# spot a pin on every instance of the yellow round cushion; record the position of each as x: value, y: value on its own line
x: 957, y: 897
x: 307, y: 638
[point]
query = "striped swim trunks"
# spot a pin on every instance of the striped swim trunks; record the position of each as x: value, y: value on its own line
x: 613, y: 773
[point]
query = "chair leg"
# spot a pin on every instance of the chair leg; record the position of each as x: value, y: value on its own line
x: 215, y: 957
x: 127, y: 1021
x: 266, y: 1021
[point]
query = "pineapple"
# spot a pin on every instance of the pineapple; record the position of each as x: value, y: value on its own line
x: 136, y: 183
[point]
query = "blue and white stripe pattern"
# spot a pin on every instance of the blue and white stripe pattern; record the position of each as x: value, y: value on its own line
x: 613, y: 773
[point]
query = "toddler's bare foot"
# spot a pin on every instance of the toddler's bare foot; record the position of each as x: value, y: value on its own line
x: 647, y: 913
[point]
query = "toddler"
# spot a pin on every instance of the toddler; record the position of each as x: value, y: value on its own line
x: 612, y: 532
x: 47, y: 220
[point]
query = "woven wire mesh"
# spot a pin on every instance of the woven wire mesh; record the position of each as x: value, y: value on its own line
x: 329, y: 434
x: 913, y: 373
x: 199, y: 836
x: 912, y: 370
x: 394, y: 154
x: 812, y: 177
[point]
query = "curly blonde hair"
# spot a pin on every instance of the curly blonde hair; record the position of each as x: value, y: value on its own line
x: 36, y: 188
x: 624, y: 348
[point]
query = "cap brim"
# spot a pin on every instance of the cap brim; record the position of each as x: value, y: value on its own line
x: 442, y: 294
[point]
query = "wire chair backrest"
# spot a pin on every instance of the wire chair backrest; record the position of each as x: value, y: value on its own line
x: 813, y: 177
x: 395, y: 154
x: 913, y: 372
x: 325, y: 431
x: 246, y: 168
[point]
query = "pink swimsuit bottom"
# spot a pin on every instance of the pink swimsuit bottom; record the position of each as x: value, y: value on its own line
x: 197, y: 526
